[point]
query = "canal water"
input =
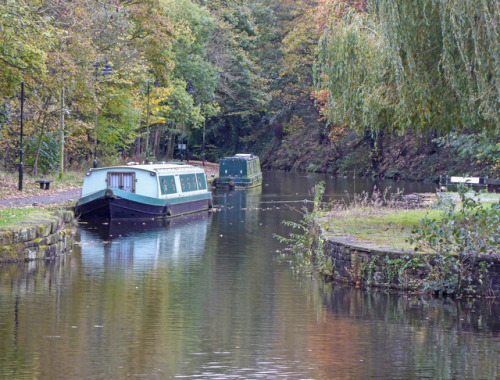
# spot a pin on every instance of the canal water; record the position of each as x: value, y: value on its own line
x: 209, y: 296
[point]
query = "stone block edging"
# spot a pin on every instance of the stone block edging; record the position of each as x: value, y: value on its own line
x: 368, y: 265
x: 43, y: 235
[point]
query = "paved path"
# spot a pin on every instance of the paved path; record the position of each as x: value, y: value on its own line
x: 61, y: 197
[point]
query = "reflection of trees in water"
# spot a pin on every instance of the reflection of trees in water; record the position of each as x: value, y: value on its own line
x: 32, y: 303
x: 204, y: 303
x: 406, y: 335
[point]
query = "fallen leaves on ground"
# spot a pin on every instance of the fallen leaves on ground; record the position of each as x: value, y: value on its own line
x: 9, y: 185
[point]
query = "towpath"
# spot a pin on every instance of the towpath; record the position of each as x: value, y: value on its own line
x: 57, y: 198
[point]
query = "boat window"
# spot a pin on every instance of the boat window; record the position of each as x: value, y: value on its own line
x: 122, y: 181
x: 190, y: 181
x: 202, y: 182
x: 167, y: 185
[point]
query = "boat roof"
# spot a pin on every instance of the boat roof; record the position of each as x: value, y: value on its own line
x: 155, y: 168
x: 242, y: 156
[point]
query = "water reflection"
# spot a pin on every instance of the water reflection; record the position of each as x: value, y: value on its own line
x: 240, y: 211
x: 289, y: 186
x: 408, y: 337
x: 206, y: 296
x: 145, y: 243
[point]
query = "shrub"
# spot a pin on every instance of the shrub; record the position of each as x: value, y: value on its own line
x: 456, y: 240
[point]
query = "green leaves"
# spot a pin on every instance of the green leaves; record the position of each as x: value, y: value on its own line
x: 429, y: 65
x: 306, y: 245
x: 351, y: 67
x: 454, y: 242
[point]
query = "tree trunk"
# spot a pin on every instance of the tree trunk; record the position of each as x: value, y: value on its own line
x: 34, y: 172
x: 156, y: 149
x: 377, y: 152
x: 170, y: 145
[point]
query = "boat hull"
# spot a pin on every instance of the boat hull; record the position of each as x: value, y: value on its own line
x: 115, y: 204
x: 238, y: 182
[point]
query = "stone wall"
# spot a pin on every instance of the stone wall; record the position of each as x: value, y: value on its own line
x: 43, y: 235
x: 368, y: 265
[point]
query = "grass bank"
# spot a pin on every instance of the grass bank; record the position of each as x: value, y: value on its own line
x: 443, y: 247
x: 14, y: 216
x: 389, y: 225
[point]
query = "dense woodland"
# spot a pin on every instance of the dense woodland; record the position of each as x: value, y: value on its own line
x: 390, y: 88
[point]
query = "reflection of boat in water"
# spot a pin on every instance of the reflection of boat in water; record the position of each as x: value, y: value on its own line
x: 238, y: 208
x: 143, y: 191
x: 249, y: 198
x: 149, y: 242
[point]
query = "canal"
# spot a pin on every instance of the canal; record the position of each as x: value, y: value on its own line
x: 209, y: 296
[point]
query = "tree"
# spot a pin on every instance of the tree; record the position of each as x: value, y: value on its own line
x: 428, y: 66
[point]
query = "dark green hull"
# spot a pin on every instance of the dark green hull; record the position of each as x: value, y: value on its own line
x: 238, y: 182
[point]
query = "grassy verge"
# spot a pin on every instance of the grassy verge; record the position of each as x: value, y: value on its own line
x: 387, y: 227
x: 13, y: 216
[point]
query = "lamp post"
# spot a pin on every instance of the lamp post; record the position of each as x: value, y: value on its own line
x: 21, y: 142
x: 190, y: 91
x: 156, y: 83
x: 147, y: 127
x: 105, y: 71
x: 61, y: 144
x: 203, y: 145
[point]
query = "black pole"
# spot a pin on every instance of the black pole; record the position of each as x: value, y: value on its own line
x: 21, y: 149
x: 147, y: 127
x: 203, y: 147
x: 95, y: 122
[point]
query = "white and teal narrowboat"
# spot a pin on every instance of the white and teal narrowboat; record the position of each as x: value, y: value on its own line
x: 143, y: 191
x: 239, y: 172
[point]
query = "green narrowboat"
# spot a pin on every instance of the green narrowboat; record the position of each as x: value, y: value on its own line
x: 239, y: 172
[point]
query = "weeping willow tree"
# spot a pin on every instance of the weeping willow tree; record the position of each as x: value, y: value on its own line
x: 352, y: 68
x: 470, y: 58
x: 431, y: 65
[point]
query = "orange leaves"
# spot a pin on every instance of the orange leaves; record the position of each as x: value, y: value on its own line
x: 337, y: 132
x: 320, y: 96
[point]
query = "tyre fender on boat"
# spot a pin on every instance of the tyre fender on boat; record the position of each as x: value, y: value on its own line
x: 109, y: 193
x: 231, y: 184
x: 168, y: 210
